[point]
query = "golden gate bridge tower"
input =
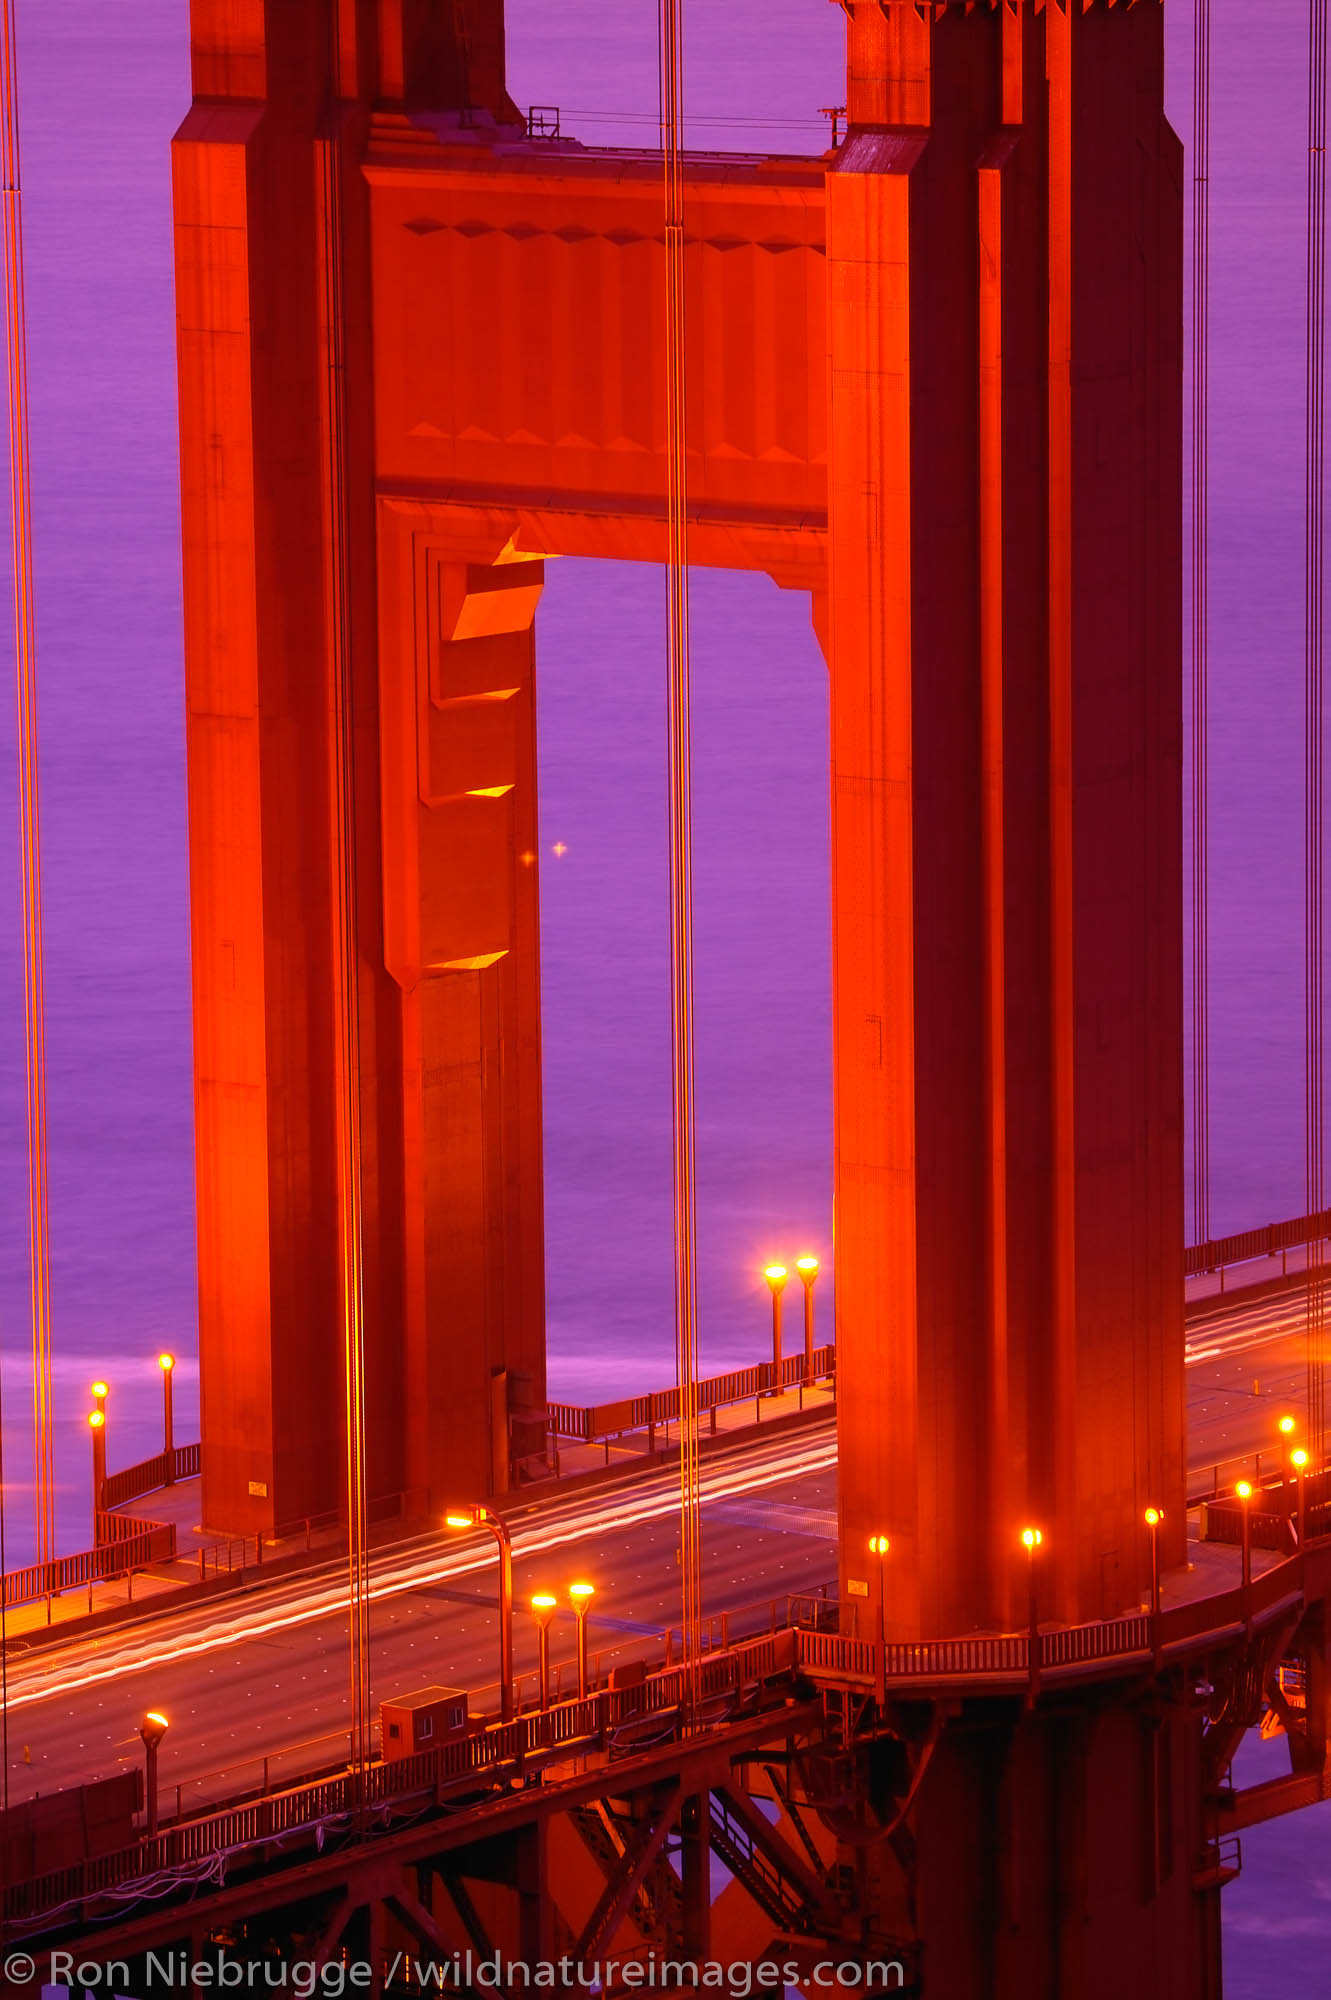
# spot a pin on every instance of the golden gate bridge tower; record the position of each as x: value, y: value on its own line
x: 934, y: 381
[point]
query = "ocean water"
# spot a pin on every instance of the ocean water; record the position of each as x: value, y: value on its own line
x: 104, y: 83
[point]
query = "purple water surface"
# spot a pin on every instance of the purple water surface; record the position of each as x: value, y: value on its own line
x: 103, y: 88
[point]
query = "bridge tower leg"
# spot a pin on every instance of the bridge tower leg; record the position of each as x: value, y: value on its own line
x: 1004, y: 247
x: 1005, y: 305
x: 281, y: 567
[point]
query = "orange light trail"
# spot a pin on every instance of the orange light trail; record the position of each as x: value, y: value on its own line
x: 587, y: 1519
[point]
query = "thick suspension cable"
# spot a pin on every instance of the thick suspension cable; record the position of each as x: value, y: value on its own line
x: 1314, y: 609
x: 681, y: 839
x: 25, y: 648
x: 1201, y: 204
x: 346, y: 1005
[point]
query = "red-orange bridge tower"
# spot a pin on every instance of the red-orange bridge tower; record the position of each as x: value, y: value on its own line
x: 934, y: 382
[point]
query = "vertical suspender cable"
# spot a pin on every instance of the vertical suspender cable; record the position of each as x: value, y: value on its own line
x: 25, y: 646
x: 681, y: 839
x: 1314, y: 720
x: 1201, y: 203
x: 346, y: 1008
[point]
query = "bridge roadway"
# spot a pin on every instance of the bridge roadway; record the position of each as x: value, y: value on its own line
x: 243, y: 1675
x: 264, y: 1672
x: 1247, y: 1367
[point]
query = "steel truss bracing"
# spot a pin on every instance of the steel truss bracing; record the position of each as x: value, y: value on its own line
x: 819, y: 1795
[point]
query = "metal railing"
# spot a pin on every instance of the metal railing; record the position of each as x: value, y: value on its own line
x: 112, y: 1528
x: 149, y: 1543
x: 1248, y: 1244
x: 1223, y: 1522
x: 951, y: 1659
x: 582, y: 1425
x: 163, y: 1469
x: 412, y: 1504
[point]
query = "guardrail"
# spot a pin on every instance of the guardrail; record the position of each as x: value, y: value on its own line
x: 112, y: 1528
x: 1006, y: 1656
x: 1223, y: 1522
x: 148, y: 1542
x: 1249, y: 1244
x: 412, y: 1504
x: 952, y: 1659
x: 582, y: 1425
x: 163, y: 1469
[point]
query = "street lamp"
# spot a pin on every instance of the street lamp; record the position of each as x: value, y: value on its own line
x: 1243, y: 1491
x: 1031, y: 1541
x: 152, y: 1729
x: 167, y: 1364
x: 581, y: 1595
x: 808, y: 1270
x: 1154, y: 1516
x: 1298, y: 1458
x: 543, y: 1608
x: 1286, y: 1425
x: 482, y: 1517
x: 100, y: 1392
x: 879, y: 1546
x: 97, y: 1425
x: 775, y: 1275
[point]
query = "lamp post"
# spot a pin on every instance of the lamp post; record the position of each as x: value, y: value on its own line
x: 1298, y: 1458
x: 581, y: 1595
x: 543, y: 1608
x: 1286, y: 1426
x: 167, y: 1364
x: 100, y: 1392
x: 97, y: 1425
x: 152, y: 1729
x: 482, y: 1517
x: 775, y: 1275
x: 1154, y: 1516
x: 1031, y: 1541
x: 879, y: 1546
x: 1243, y: 1492
x: 808, y: 1270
